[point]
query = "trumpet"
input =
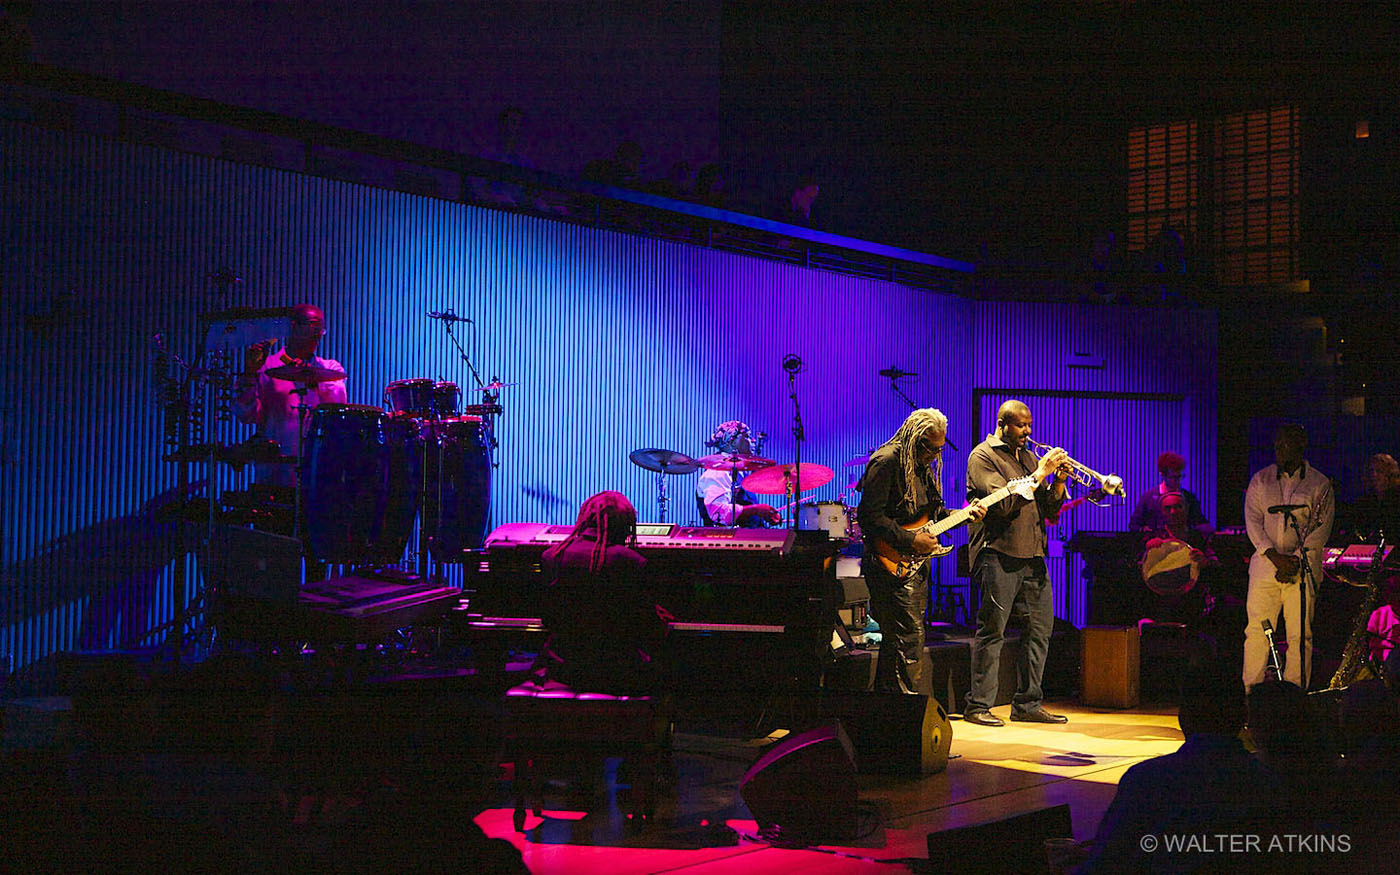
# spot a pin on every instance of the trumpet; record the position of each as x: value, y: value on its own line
x: 1083, y: 474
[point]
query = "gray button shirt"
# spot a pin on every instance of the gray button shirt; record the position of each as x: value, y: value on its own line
x: 1013, y: 526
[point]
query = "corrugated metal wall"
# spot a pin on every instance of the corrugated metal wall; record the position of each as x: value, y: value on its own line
x: 611, y: 341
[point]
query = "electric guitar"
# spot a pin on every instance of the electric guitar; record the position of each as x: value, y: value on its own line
x: 902, y: 565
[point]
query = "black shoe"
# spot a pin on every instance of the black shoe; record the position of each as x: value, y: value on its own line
x: 982, y: 718
x: 1039, y: 715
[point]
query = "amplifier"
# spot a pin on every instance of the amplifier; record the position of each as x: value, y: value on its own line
x: 653, y: 536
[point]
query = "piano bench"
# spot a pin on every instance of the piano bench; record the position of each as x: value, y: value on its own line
x: 546, y: 724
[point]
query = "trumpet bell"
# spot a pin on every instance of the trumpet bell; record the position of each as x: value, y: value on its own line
x: 1113, y: 485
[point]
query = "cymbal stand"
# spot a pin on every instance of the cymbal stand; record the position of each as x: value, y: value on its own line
x: 733, y: 493
x: 798, y: 434
x: 661, y: 498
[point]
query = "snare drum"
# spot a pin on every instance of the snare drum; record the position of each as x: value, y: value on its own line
x: 832, y: 517
x: 409, y: 398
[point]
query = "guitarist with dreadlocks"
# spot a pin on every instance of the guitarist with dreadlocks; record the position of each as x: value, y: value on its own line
x: 901, y: 491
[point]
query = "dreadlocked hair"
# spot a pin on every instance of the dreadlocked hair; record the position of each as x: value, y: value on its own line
x: 923, y: 421
x: 609, y: 519
x: 726, y: 435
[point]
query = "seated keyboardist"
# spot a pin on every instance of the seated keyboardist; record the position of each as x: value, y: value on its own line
x: 605, y: 633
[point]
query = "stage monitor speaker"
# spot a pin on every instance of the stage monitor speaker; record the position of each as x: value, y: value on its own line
x: 892, y: 733
x: 1016, y: 844
x: 803, y: 790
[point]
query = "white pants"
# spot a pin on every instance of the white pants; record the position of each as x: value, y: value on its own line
x: 1266, y: 597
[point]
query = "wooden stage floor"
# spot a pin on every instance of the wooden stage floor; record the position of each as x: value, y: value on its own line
x: 1001, y: 771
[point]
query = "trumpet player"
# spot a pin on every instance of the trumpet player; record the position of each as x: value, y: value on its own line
x: 1007, y: 555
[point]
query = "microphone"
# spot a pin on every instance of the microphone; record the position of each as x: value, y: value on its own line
x: 1286, y: 508
x: 448, y: 316
x: 896, y: 373
x: 792, y: 364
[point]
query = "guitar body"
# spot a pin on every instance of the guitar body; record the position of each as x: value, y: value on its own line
x: 903, y: 565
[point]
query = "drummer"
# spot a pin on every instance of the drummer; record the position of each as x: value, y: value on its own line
x: 271, y: 403
x: 719, y: 494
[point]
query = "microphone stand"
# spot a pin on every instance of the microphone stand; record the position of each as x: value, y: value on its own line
x: 447, y: 326
x: 894, y: 387
x: 1275, y: 666
x: 798, y: 436
x: 490, y: 406
x: 1305, y: 577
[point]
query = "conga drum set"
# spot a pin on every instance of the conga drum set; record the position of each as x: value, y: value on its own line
x: 367, y: 473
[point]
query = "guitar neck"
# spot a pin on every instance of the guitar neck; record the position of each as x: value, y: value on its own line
x: 961, y: 515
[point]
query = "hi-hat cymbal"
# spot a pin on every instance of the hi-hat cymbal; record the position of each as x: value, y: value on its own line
x: 663, y: 461
x: 734, y: 462
x: 779, y: 479
x: 300, y: 372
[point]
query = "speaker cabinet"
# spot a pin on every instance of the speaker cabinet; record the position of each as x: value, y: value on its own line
x: 1108, y: 666
x: 892, y: 733
x: 803, y: 789
x: 1015, y: 844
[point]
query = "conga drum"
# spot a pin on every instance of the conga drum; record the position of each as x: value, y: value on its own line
x: 458, y: 499
x: 409, y: 398
x: 404, y: 447
x: 447, y: 399
x: 345, y: 481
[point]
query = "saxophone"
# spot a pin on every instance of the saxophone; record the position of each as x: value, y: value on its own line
x: 1356, y: 663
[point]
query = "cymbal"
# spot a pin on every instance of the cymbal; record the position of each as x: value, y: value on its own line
x: 734, y: 462
x: 858, y: 460
x: 496, y: 386
x: 778, y: 479
x: 305, y: 373
x: 663, y: 461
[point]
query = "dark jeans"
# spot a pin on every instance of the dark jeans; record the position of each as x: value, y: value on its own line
x: 1008, y: 582
x: 898, y: 606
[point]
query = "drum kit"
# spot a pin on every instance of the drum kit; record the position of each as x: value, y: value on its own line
x: 764, y: 477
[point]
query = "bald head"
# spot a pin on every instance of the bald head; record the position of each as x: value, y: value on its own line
x: 1011, y: 407
x: 308, y: 325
